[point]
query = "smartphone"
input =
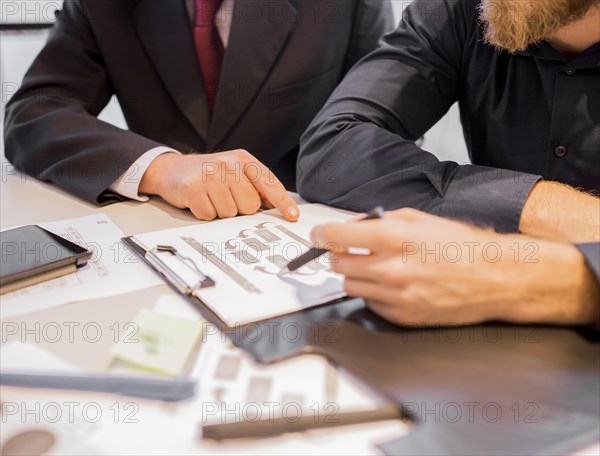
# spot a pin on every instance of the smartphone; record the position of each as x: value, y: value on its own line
x: 31, y: 254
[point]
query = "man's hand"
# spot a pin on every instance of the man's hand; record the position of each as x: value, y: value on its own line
x: 558, y: 212
x: 220, y: 185
x: 424, y: 269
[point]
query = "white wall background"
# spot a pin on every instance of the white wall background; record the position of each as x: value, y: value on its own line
x: 18, y: 49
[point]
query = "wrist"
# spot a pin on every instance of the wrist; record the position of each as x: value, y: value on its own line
x: 559, y: 288
x: 538, y: 217
x: 156, y: 173
x: 555, y: 211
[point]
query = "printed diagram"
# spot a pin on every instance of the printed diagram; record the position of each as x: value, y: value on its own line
x: 264, y: 248
x: 269, y: 247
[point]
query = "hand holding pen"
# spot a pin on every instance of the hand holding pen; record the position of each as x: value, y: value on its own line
x: 315, y: 252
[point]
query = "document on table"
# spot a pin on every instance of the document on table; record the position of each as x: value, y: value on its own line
x: 306, y: 384
x: 229, y: 376
x: 243, y: 256
x: 113, y: 269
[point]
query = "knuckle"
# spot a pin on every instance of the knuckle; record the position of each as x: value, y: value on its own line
x: 250, y: 207
x: 201, y: 209
x: 228, y: 212
x: 187, y: 190
x: 202, y: 213
x: 245, y: 210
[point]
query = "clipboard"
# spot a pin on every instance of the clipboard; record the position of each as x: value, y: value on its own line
x: 261, y: 339
x: 548, y: 375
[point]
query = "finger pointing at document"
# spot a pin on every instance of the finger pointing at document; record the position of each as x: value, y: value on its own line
x: 222, y: 185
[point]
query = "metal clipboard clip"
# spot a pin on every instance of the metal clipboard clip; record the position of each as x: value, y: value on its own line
x: 203, y: 280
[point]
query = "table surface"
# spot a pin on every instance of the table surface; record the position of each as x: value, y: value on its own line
x: 24, y: 200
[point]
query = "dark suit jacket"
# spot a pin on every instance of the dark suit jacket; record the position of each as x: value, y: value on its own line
x: 283, y: 60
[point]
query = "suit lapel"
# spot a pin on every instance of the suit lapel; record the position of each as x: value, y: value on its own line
x: 165, y: 30
x: 255, y: 42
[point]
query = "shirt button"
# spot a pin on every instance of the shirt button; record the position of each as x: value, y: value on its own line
x: 560, y: 151
x: 570, y: 71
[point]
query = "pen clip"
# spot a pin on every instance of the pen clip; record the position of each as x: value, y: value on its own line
x: 165, y: 270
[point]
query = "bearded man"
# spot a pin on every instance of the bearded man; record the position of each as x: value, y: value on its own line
x: 526, y: 75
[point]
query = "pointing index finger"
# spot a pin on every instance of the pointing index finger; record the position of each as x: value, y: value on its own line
x: 273, y: 191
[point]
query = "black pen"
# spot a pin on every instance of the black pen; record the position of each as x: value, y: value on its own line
x: 315, y: 252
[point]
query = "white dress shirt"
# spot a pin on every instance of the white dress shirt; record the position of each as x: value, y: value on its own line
x: 127, y: 184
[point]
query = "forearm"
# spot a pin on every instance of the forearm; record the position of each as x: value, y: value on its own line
x: 558, y: 212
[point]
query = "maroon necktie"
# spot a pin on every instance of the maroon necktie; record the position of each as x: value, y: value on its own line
x: 209, y: 47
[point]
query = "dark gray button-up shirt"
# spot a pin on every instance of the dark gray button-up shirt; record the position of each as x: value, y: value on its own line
x: 527, y: 116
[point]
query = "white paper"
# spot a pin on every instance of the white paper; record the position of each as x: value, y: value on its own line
x: 27, y: 357
x: 39, y: 410
x: 176, y: 306
x: 243, y: 256
x: 112, y: 270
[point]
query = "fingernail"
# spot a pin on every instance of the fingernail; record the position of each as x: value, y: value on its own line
x: 292, y: 212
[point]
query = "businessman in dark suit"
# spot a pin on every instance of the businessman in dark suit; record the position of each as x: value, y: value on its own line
x: 239, y: 78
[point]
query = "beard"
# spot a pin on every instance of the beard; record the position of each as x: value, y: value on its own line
x: 513, y: 25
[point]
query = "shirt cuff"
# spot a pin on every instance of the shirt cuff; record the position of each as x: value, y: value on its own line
x: 128, y: 183
x: 490, y: 197
x: 591, y: 254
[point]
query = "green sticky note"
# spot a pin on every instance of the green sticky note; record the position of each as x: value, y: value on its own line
x: 161, y: 343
